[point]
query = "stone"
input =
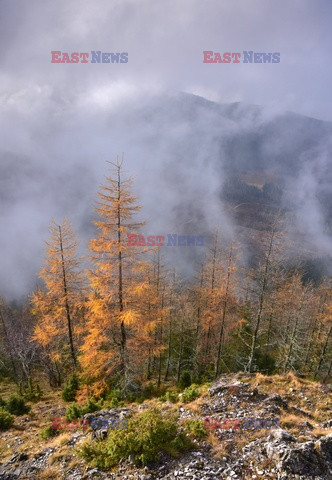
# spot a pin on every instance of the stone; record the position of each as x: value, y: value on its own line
x: 325, y: 445
x: 221, y: 386
x: 282, y: 436
x: 277, y: 400
x: 303, y: 460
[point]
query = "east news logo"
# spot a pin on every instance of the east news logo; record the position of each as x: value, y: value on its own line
x: 247, y: 57
x: 82, y: 57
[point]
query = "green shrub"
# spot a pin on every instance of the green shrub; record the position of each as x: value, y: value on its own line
x: 170, y: 396
x: 114, y: 399
x: 190, y: 394
x: 73, y: 411
x: 48, y: 432
x: 150, y: 390
x: 70, y: 390
x: 195, y: 428
x: 265, y: 362
x: 90, y: 407
x: 2, y: 402
x: 31, y: 392
x: 148, y: 434
x: 140, y: 399
x: 16, y: 405
x: 76, y: 411
x: 6, y: 420
x: 185, y: 380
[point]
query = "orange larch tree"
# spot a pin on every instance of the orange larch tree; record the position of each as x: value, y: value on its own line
x: 112, y: 307
x: 60, y: 306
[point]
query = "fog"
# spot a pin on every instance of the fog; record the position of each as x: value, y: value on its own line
x: 61, y: 123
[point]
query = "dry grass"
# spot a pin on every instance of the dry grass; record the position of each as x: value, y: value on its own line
x: 244, y: 437
x: 292, y: 422
x: 262, y: 433
x: 29, y: 431
x: 299, y: 392
x: 5, y: 452
x: 59, y: 440
x: 280, y: 383
x: 195, y: 406
x: 323, y: 409
x: 50, y: 473
x: 7, y: 389
x: 220, y: 448
x: 320, y: 432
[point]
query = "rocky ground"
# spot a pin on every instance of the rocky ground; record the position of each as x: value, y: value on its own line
x: 301, y: 449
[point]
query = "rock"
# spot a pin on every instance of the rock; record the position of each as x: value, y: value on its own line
x: 325, y: 445
x: 307, y: 425
x: 276, y: 400
x: 307, y: 459
x: 327, y: 424
x: 299, y: 411
x: 278, y: 445
x: 8, y: 476
x: 326, y: 388
x: 303, y: 460
x: 19, y: 457
x: 281, y: 436
x: 233, y: 387
x: 99, y: 434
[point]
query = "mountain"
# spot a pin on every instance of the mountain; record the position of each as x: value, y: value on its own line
x: 197, y: 165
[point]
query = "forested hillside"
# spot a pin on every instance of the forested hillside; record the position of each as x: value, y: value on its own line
x: 110, y: 340
x: 121, y: 316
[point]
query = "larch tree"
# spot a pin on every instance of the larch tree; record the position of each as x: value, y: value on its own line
x: 112, y: 306
x: 295, y: 306
x: 227, y: 291
x: 59, y: 306
x: 7, y: 343
x: 152, y: 295
x: 325, y: 344
x: 214, y: 304
x: 173, y: 307
x: 314, y: 328
x: 264, y: 278
x: 210, y: 302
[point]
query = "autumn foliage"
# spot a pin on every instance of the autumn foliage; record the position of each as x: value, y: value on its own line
x: 128, y: 318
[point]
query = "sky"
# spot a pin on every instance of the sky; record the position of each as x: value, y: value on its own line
x: 59, y: 122
x: 165, y: 41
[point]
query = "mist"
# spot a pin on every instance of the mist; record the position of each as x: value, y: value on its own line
x: 186, y: 129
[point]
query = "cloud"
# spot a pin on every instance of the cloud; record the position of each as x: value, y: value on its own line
x: 61, y: 122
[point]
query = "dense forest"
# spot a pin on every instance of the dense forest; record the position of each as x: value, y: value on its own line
x: 122, y: 317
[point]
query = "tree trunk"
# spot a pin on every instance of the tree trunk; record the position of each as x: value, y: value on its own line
x: 230, y: 258
x: 261, y: 305
x: 198, y: 323
x: 170, y: 328
x: 207, y: 345
x: 65, y: 292
x: 123, y: 333
x: 321, y: 359
x: 180, y: 353
x: 161, y: 341
x: 8, y: 346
